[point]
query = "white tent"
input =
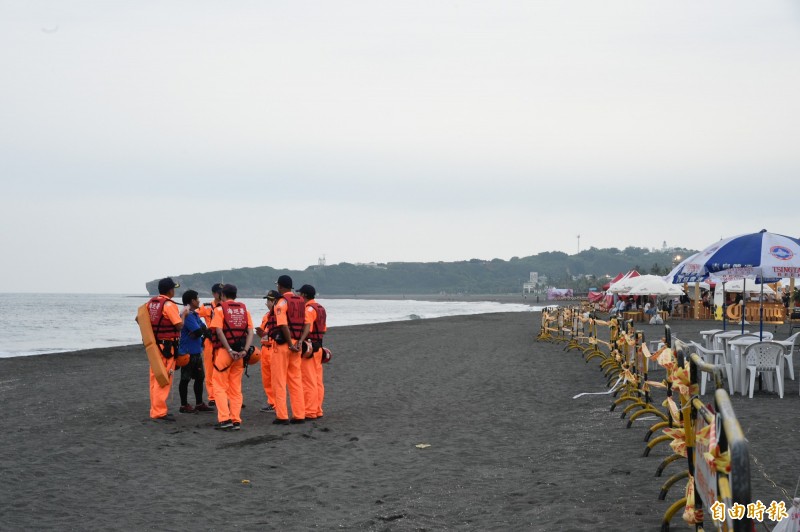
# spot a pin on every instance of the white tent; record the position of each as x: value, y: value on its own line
x: 653, y: 285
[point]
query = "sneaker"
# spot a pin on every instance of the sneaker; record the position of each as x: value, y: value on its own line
x: 212, y: 403
x: 237, y: 425
x: 224, y: 425
x: 278, y: 421
x: 187, y: 409
x: 297, y: 421
x: 202, y: 407
x: 268, y: 408
x: 169, y: 418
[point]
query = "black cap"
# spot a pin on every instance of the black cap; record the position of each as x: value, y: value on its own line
x: 166, y: 284
x: 285, y: 281
x: 189, y: 296
x: 216, y: 288
x: 307, y: 290
x: 272, y: 294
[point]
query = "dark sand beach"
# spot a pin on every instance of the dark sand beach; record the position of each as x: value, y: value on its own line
x: 509, y: 449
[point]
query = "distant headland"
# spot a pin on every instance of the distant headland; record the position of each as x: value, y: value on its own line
x: 581, y: 272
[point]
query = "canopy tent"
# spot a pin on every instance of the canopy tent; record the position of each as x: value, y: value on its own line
x: 652, y: 285
x: 620, y: 276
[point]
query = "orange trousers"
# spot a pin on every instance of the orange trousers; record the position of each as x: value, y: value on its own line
x: 159, y: 395
x: 208, y: 356
x: 320, y: 385
x: 286, y: 371
x: 228, y: 386
x: 266, y: 371
x: 310, y: 389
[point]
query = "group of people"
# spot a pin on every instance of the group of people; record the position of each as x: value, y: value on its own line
x: 214, y: 344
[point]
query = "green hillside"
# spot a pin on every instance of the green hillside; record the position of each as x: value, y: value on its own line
x: 580, y: 272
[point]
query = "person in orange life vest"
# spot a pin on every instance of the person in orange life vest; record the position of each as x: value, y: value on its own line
x: 267, y: 344
x: 311, y: 365
x: 206, y: 312
x: 289, y: 312
x: 233, y: 327
x: 192, y: 344
x: 166, y: 321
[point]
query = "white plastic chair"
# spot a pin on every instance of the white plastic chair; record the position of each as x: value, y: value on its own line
x: 718, y: 359
x: 787, y: 357
x: 765, y: 357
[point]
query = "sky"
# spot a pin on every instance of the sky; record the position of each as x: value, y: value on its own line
x: 145, y: 139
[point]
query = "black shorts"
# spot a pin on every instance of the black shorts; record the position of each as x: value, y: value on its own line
x: 194, y: 369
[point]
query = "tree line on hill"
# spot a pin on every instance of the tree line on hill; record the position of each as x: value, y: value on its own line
x: 588, y: 269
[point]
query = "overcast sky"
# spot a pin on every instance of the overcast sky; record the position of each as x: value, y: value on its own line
x: 144, y: 139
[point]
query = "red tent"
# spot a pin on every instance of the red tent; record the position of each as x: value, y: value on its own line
x: 619, y: 277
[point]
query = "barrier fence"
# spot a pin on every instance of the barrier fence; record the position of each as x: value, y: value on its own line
x: 706, y: 437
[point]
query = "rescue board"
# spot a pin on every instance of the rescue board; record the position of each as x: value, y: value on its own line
x: 151, y: 347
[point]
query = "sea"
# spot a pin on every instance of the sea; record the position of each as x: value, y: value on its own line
x: 34, y: 324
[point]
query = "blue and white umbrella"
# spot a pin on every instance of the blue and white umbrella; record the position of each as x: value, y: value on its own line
x: 765, y: 257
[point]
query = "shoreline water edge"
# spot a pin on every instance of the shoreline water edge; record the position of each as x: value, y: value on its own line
x: 57, y: 323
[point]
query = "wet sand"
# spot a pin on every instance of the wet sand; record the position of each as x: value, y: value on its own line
x: 509, y: 449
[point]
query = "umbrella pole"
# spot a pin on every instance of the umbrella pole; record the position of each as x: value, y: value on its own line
x: 724, y: 310
x: 697, y: 300
x: 761, y: 313
x: 744, y: 301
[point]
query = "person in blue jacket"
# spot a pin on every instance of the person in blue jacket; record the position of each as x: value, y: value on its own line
x: 191, y: 343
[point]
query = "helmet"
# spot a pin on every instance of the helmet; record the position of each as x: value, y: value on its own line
x: 255, y: 358
x: 181, y: 360
x: 326, y: 355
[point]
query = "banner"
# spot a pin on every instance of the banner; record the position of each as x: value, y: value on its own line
x: 554, y: 294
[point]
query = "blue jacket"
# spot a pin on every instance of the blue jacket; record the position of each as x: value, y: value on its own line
x: 191, y: 324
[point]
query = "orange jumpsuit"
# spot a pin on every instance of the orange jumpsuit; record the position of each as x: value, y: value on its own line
x: 227, y: 377
x: 208, y: 350
x: 286, y: 371
x: 308, y: 367
x: 158, y: 394
x: 267, y: 345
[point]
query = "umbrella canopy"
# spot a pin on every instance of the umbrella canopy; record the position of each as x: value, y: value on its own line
x: 653, y: 285
x: 764, y: 256
x: 761, y: 255
x: 745, y: 285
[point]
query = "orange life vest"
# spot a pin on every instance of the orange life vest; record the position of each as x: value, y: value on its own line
x: 234, y: 317
x: 295, y: 313
x: 163, y: 329
x: 210, y: 314
x: 320, y: 324
x: 272, y: 325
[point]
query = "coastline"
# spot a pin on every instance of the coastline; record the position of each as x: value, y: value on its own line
x: 527, y: 299
x: 509, y: 447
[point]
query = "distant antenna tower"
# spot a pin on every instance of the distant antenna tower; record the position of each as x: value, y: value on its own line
x: 579, y: 243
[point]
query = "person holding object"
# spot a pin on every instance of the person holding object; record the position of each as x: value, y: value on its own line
x: 167, y: 324
x: 289, y: 319
x: 192, y: 344
x: 233, y: 329
x: 311, y: 365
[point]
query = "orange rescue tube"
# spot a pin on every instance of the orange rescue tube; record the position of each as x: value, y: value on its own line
x: 151, y: 347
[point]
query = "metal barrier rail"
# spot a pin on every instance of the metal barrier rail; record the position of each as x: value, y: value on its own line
x: 712, y: 434
x: 718, y: 456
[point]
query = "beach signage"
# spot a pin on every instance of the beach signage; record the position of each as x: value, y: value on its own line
x: 705, y: 474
